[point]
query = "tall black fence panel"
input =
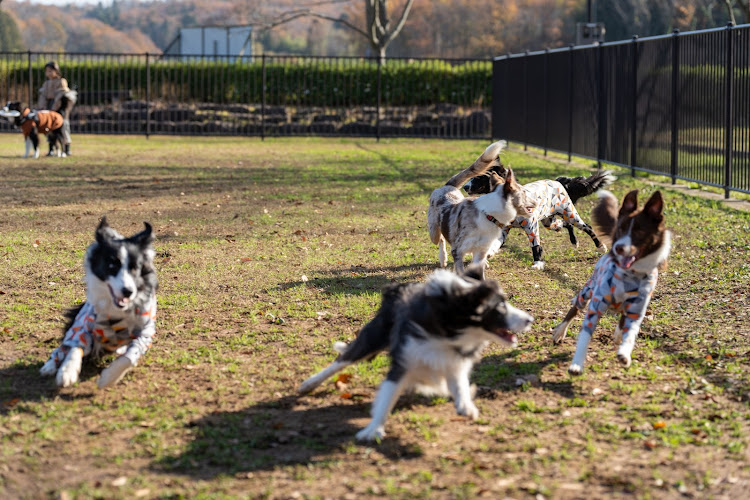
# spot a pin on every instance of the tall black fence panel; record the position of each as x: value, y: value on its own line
x: 740, y: 178
x: 677, y: 105
x: 585, y: 102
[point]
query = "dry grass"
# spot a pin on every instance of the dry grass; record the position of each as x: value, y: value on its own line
x: 270, y: 251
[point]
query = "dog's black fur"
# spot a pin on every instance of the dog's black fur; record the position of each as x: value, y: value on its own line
x: 434, y: 332
x: 577, y: 187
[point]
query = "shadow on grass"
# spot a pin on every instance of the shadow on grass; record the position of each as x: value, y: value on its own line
x: 274, y: 433
x: 21, y: 382
x: 357, y: 280
x: 497, y: 373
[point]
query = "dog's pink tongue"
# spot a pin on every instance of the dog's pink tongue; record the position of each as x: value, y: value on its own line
x: 628, y: 261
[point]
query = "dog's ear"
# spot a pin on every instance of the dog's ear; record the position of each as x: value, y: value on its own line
x: 511, y: 185
x: 655, y: 206
x: 101, y: 231
x: 145, y: 237
x: 629, y: 203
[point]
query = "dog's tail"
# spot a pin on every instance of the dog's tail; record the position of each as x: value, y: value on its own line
x: 604, y: 216
x: 578, y: 187
x: 482, y: 164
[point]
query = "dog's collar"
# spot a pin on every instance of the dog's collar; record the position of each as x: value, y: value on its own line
x: 493, y: 220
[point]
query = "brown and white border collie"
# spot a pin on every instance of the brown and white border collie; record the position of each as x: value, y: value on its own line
x: 625, y: 277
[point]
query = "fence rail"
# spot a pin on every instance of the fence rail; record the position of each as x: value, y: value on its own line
x: 676, y: 105
x: 263, y: 96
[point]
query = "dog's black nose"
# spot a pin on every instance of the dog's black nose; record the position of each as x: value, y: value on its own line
x: 127, y: 292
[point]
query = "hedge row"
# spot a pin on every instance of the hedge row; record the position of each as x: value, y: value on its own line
x: 337, y: 82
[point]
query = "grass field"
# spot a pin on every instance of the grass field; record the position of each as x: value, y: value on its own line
x: 267, y: 253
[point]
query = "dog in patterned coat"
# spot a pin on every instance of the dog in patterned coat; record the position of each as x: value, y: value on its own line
x: 120, y: 309
x: 552, y: 201
x: 624, y: 278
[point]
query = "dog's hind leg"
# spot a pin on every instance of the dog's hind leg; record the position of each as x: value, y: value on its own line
x: 458, y: 261
x: 372, y: 339
x: 584, y: 337
x: 442, y: 253
x: 28, y: 147
x: 575, y: 219
x: 562, y: 329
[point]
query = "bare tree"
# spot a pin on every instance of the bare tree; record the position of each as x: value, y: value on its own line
x: 743, y: 5
x: 379, y: 32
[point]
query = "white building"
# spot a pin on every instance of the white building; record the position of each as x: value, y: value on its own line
x: 212, y: 42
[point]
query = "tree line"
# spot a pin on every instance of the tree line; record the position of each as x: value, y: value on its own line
x: 407, y: 28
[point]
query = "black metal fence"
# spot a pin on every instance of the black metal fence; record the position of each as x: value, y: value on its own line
x: 676, y: 105
x: 263, y: 96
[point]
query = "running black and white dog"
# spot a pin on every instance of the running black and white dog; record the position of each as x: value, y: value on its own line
x: 553, y: 199
x: 33, y: 123
x: 435, y: 332
x: 473, y: 225
x: 120, y: 309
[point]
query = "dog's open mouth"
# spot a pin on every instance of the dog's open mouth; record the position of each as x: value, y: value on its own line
x: 507, y: 336
x: 121, y: 302
x: 627, y: 262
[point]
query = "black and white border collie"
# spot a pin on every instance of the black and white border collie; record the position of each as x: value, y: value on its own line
x: 624, y: 278
x: 120, y: 309
x: 434, y: 332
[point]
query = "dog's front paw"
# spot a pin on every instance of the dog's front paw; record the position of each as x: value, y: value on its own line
x: 559, y: 332
x: 114, y: 372
x: 49, y: 368
x: 602, y: 248
x: 538, y: 265
x: 624, y: 359
x: 371, y: 433
x: 575, y: 369
x: 70, y: 369
x: 468, y: 409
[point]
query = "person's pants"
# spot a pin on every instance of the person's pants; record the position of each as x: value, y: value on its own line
x: 66, y: 131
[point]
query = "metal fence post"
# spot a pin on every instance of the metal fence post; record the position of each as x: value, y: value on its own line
x: 28, y: 88
x: 526, y: 100
x: 570, y: 103
x: 377, y: 108
x: 634, y: 109
x: 729, y: 79
x: 675, y: 100
x: 546, y: 99
x: 148, y: 96
x: 263, y: 98
x: 601, y: 119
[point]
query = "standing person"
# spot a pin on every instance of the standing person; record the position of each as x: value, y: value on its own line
x: 57, y: 96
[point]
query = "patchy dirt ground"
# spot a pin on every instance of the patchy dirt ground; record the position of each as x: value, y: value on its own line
x: 268, y: 252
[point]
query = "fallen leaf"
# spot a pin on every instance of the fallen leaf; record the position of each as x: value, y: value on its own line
x: 650, y: 444
x: 304, y: 279
x: 344, y: 377
x: 36, y: 243
x: 245, y: 259
x: 340, y: 386
x: 142, y: 492
x: 708, y: 357
x: 11, y: 402
x: 346, y: 395
x: 660, y: 425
